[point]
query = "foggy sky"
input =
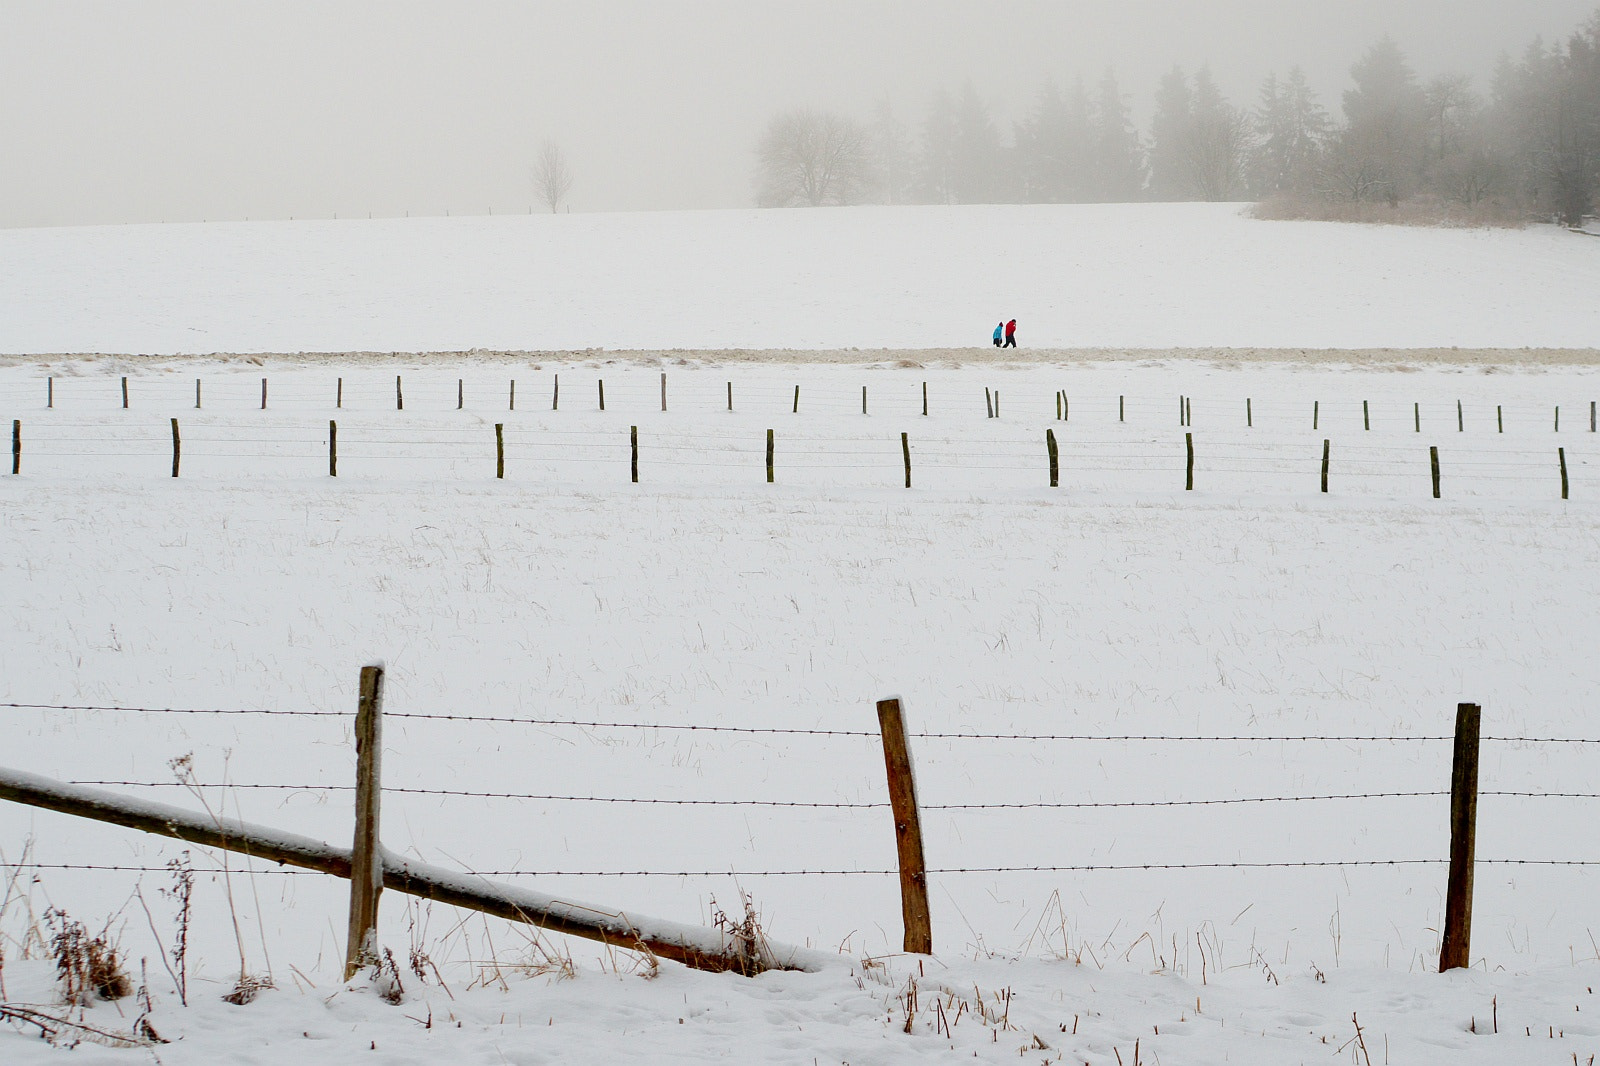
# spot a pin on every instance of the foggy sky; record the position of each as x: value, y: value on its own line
x: 152, y: 110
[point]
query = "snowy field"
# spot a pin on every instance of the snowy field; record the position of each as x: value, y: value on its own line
x: 1186, y: 797
x: 1075, y: 276
x: 1116, y: 605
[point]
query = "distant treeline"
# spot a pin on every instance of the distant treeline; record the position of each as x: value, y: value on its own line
x: 1434, y: 150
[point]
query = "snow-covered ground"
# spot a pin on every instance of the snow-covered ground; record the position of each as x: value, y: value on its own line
x: 1090, y: 903
x: 1118, y: 604
x: 1075, y: 276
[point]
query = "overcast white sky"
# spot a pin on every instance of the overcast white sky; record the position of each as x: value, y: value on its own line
x: 149, y: 110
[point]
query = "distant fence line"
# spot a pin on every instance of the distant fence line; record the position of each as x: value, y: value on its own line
x: 1243, y: 412
x: 814, y: 453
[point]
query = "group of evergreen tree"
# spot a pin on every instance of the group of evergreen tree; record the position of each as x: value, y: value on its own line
x: 1531, y: 147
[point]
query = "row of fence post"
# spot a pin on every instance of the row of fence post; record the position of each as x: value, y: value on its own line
x: 1051, y: 451
x: 991, y: 403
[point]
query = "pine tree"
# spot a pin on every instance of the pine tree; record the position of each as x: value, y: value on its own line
x: 1118, y: 171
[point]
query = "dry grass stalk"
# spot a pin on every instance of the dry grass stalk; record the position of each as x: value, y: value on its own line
x: 88, y: 967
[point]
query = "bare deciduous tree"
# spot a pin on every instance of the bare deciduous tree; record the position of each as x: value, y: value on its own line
x: 813, y: 158
x: 552, y: 178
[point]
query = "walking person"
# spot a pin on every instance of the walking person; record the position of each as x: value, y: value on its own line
x: 999, y: 328
x: 1011, y: 334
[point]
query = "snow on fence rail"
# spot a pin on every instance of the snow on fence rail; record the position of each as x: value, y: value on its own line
x: 1463, y: 792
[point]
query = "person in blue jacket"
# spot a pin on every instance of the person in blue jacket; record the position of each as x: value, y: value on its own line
x: 999, y: 330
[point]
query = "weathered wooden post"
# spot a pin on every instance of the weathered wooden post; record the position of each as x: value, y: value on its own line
x: 663, y: 391
x: 1188, y: 484
x: 1561, y: 453
x: 1499, y: 419
x: 124, y: 394
x: 1455, y: 946
x: 366, y: 859
x: 1461, y: 419
x: 988, y: 403
x: 1558, y: 418
x: 924, y: 399
x: 499, y: 449
x: 1050, y: 446
x: 602, y: 386
x: 177, y: 447
x: 997, y: 403
x: 1366, y: 418
x: 797, y: 399
x: 263, y: 394
x: 338, y: 395
x: 1416, y: 416
x: 1249, y: 420
x: 634, y: 437
x: 1058, y: 405
x: 907, y: 829
x: 399, y: 396
x: 16, y: 445
x: 197, y: 394
x: 1325, y: 450
x: 1315, y: 412
x: 730, y: 395
x: 863, y: 399
x: 769, y: 457
x: 333, y: 448
x: 50, y: 391
x: 1433, y: 459
x: 905, y: 448
x: 461, y: 393
x: 1119, y: 408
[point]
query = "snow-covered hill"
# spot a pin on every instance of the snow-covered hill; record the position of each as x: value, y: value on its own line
x: 1075, y: 276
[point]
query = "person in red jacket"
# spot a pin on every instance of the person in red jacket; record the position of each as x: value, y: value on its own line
x: 1011, y: 334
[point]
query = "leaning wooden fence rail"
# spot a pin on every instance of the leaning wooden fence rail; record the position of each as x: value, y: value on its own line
x: 694, y: 946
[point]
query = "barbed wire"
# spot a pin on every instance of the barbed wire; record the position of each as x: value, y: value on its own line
x: 801, y: 731
x: 821, y: 804
x: 841, y: 872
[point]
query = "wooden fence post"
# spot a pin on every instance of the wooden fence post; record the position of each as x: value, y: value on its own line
x: 333, y: 448
x: 399, y: 396
x: 663, y: 391
x: 197, y: 394
x: 1188, y: 411
x: 1188, y: 483
x: 634, y: 437
x: 1055, y: 469
x: 1499, y: 419
x: 924, y: 399
x: 1558, y: 418
x: 988, y: 403
x: 1455, y: 946
x: 1066, y: 407
x: 366, y: 859
x: 1366, y: 418
x: 16, y: 445
x: 602, y: 386
x: 1119, y: 408
x: 461, y: 393
x: 769, y: 457
x: 1461, y: 419
x: 797, y: 399
x: 1416, y: 416
x: 499, y: 450
x: 1249, y: 419
x: 50, y: 391
x: 1315, y: 412
x: 1182, y: 407
x: 863, y: 399
x: 907, y: 829
x: 263, y: 394
x: 730, y: 395
x: 338, y: 396
x: 177, y: 447
x: 1591, y: 415
x: 1433, y: 459
x: 1325, y: 450
x: 1561, y: 453
x: 905, y: 449
x: 1058, y: 405
x: 124, y: 394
